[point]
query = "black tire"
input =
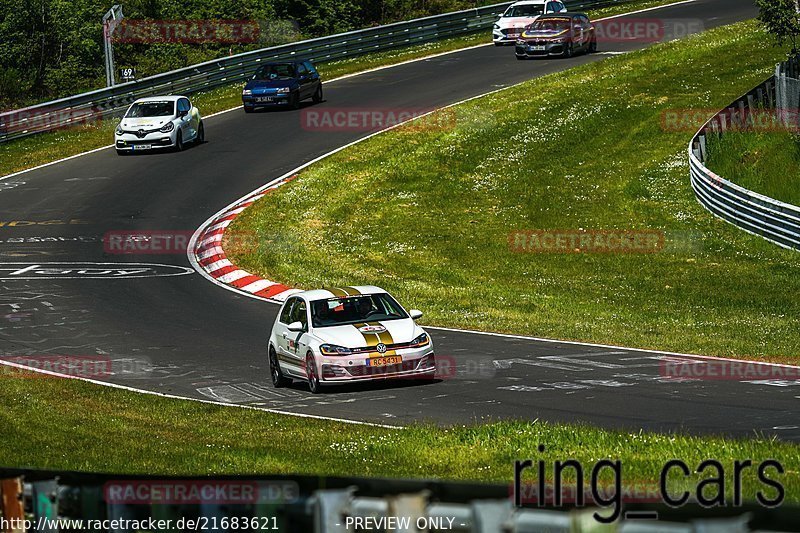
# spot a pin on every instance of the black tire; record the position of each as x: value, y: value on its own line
x: 569, y: 51
x: 278, y: 379
x: 317, y: 98
x: 248, y: 109
x: 201, y: 134
x: 521, y: 58
x: 179, y: 142
x: 122, y: 152
x: 593, y: 45
x: 294, y: 100
x: 498, y: 44
x: 311, y: 374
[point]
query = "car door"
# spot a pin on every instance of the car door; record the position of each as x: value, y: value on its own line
x: 281, y: 330
x: 297, y: 341
x: 579, y: 35
x: 185, y: 118
x: 304, y: 78
x: 315, y: 81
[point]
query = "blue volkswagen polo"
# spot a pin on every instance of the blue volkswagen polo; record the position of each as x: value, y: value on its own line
x: 284, y: 83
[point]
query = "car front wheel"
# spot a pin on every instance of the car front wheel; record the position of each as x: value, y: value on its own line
x: 278, y: 379
x: 317, y: 98
x: 311, y: 373
x: 179, y: 142
x: 201, y: 134
x: 294, y: 100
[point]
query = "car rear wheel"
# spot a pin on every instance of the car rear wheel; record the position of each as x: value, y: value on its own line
x: 201, y: 134
x: 311, y: 373
x: 278, y: 379
x: 317, y: 95
x: 179, y: 142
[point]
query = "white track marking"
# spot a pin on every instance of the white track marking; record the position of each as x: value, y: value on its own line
x: 346, y: 76
x: 176, y: 397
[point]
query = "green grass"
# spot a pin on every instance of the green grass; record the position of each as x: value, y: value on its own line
x: 110, y: 430
x: 39, y: 149
x: 767, y: 162
x: 427, y: 213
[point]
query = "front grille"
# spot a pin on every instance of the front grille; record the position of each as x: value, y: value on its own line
x: 396, y: 346
x: 360, y: 371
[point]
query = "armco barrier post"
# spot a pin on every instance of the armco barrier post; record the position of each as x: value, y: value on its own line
x: 13, y: 510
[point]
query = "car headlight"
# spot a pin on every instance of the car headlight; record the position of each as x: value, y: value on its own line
x: 246, y: 92
x: 118, y: 131
x: 422, y: 340
x: 332, y: 349
x: 168, y: 127
x: 283, y: 90
x: 496, y: 26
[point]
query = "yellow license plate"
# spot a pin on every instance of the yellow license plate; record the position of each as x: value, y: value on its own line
x: 384, y: 361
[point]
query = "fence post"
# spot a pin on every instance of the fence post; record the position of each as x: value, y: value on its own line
x: 13, y: 509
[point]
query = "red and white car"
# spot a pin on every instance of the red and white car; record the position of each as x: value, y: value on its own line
x: 334, y: 336
x: 519, y: 15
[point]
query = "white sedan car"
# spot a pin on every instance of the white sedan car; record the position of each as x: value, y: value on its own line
x: 519, y: 15
x: 157, y: 123
x: 335, y: 336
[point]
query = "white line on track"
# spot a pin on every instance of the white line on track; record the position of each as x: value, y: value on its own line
x: 176, y: 397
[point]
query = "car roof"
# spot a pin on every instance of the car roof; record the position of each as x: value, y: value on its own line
x: 170, y: 98
x: 529, y: 2
x: 324, y: 294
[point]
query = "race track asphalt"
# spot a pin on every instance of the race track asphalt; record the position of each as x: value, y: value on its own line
x: 182, y: 335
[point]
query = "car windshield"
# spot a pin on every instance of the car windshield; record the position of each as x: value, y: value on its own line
x: 151, y: 109
x: 524, y: 11
x: 277, y: 71
x: 355, y: 309
x: 549, y: 25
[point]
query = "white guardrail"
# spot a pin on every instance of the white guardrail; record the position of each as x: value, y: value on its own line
x: 112, y: 101
x: 755, y: 213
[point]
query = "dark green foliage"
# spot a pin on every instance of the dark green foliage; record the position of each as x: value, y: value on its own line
x: 53, y: 48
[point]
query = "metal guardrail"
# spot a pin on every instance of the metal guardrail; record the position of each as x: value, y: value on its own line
x: 112, y: 101
x: 755, y: 213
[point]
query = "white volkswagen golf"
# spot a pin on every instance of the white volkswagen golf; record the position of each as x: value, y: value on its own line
x: 334, y: 336
x: 519, y: 15
x: 159, y: 122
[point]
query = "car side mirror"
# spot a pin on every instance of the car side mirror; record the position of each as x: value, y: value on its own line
x: 415, y: 314
x: 296, y: 327
x: 183, y: 113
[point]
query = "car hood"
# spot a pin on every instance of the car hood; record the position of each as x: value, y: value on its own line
x: 270, y: 84
x: 544, y: 34
x: 144, y: 122
x: 349, y: 336
x: 515, y: 22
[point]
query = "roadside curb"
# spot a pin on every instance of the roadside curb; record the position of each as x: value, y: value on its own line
x: 208, y: 255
